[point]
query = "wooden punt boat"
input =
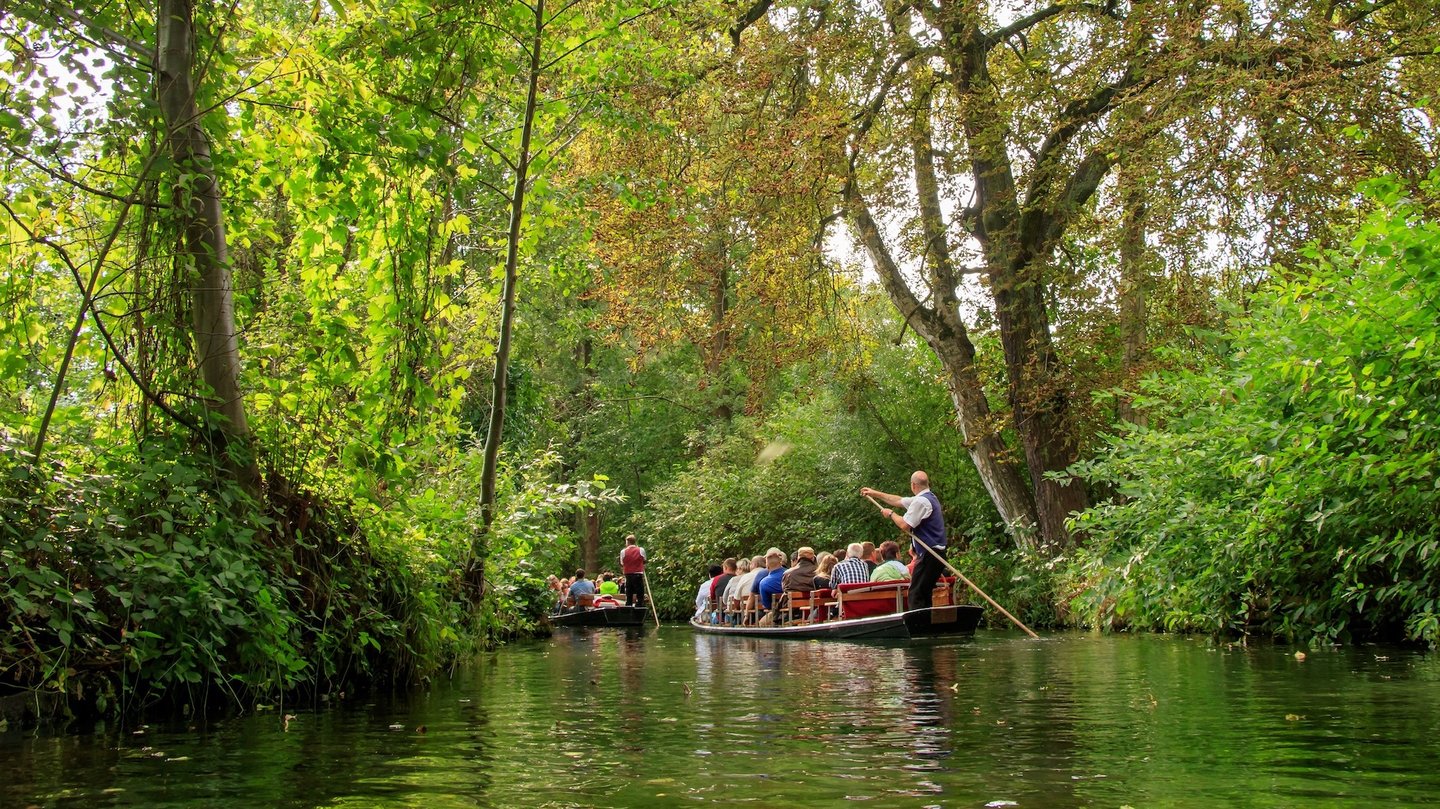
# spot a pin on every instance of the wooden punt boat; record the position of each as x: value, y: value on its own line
x: 619, y: 617
x: 932, y: 622
x: 873, y: 610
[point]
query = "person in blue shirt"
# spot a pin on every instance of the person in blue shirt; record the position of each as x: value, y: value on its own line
x: 926, y: 526
x: 582, y: 592
x: 771, y: 585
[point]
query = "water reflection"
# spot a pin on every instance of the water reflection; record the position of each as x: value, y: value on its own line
x: 604, y: 717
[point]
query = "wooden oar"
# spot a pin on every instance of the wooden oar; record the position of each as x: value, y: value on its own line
x: 650, y: 598
x: 961, y: 577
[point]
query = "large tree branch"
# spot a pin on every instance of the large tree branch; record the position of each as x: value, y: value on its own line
x: 751, y: 16
x: 865, y: 118
x: 857, y: 210
x: 1075, y: 115
x: 932, y: 217
x: 1044, y: 221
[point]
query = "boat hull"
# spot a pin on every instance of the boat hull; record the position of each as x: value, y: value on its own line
x: 619, y: 617
x: 922, y: 623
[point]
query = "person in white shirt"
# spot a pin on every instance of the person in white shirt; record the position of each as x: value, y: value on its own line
x: 702, y: 596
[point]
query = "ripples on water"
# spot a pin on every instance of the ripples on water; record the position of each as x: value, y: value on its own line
x: 603, y: 718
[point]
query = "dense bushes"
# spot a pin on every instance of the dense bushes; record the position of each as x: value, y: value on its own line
x: 132, y: 578
x: 1291, y: 488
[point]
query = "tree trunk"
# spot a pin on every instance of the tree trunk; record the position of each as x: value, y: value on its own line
x: 212, y: 297
x: 946, y: 336
x: 1039, y: 401
x: 590, y: 541
x: 507, y: 309
x: 719, y: 330
x: 1134, y: 294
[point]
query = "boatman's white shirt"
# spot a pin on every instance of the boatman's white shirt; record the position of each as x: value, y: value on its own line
x: 917, y: 508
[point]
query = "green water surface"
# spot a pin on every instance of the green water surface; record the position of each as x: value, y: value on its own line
x: 606, y: 718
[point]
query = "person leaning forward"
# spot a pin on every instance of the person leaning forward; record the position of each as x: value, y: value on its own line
x: 926, y: 525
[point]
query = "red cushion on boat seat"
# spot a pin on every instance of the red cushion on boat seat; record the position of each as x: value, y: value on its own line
x: 863, y: 599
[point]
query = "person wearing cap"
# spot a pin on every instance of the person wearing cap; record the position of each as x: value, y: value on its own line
x: 925, y: 524
x: 801, y: 577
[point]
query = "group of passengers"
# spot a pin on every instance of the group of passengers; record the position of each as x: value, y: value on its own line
x: 578, y: 592
x: 751, y: 590
x: 607, y: 589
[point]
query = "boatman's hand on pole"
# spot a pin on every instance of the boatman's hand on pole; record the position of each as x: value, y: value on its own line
x: 866, y: 491
x: 887, y: 512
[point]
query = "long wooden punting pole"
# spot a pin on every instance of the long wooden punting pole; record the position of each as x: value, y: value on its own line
x: 650, y: 598
x: 961, y: 577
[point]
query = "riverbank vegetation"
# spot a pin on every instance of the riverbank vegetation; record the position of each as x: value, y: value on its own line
x: 328, y: 330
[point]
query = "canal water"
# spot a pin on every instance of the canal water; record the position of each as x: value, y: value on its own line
x: 604, y: 718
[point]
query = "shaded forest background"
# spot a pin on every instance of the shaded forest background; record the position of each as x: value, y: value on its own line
x: 328, y: 330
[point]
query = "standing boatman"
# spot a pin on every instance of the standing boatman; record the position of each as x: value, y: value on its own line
x: 632, y: 564
x: 926, y: 526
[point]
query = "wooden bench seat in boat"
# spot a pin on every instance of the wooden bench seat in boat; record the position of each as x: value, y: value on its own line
x: 864, y: 599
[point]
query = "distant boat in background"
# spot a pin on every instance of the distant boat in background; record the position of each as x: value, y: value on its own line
x: 622, y: 616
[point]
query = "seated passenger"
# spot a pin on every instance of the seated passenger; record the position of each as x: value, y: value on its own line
x: 582, y: 592
x: 731, y: 601
x: 852, y: 570
x: 718, y: 586
x: 557, y: 593
x: 771, y: 585
x: 890, y: 568
x: 801, y: 577
x: 702, y: 596
x: 868, y: 552
x: 608, y: 585
x: 822, y: 571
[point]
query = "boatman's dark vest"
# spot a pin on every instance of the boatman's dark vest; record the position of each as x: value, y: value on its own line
x: 931, y: 530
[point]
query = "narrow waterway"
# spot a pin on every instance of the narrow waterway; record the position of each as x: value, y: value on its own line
x: 605, y: 718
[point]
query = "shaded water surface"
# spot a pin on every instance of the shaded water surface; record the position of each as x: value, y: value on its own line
x: 604, y: 718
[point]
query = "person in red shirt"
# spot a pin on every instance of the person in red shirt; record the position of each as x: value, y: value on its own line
x: 632, y: 564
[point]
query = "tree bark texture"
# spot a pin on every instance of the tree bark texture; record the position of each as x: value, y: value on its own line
x: 942, y: 330
x: 204, y: 247
x: 507, y: 308
x: 1133, y: 294
x: 1017, y: 231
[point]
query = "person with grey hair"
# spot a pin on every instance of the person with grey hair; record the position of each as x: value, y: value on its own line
x: 852, y: 569
x: 925, y: 524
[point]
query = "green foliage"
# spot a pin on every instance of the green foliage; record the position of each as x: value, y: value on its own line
x: 1291, y: 489
x: 129, y: 578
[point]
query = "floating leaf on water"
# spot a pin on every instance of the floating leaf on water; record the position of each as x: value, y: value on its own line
x: 669, y: 719
x: 1000, y: 803
x: 397, y: 727
x: 1293, y: 717
x: 179, y: 758
x: 1300, y: 656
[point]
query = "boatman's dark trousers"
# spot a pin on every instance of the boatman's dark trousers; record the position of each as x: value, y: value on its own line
x: 635, y: 589
x: 922, y: 584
